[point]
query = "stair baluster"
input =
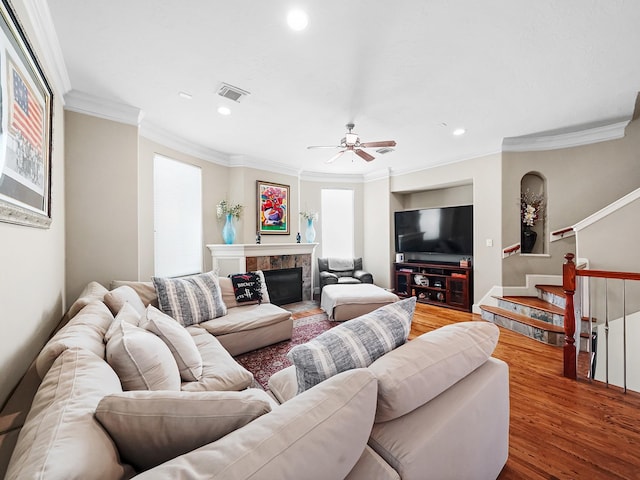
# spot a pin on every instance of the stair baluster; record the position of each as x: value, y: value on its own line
x: 569, y: 287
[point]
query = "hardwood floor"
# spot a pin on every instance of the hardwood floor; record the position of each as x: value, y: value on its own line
x: 559, y: 429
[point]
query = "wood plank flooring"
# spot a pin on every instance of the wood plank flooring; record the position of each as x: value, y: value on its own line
x: 560, y: 429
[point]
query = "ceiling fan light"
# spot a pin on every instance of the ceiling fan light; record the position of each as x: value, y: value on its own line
x: 351, y: 138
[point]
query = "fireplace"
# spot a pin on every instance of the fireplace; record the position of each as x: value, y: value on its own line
x: 284, y: 285
x: 238, y: 258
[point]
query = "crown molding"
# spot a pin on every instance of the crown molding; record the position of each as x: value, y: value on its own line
x: 396, y: 172
x: 48, y: 43
x: 381, y: 174
x: 565, y: 139
x: 608, y: 210
x: 164, y: 137
x: 324, y: 177
x: 88, y: 104
x: 243, y: 161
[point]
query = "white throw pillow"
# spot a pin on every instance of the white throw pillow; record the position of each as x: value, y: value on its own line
x: 141, y: 360
x: 92, y: 292
x: 150, y: 428
x: 353, y: 344
x: 115, y: 300
x: 426, y: 366
x: 190, y: 300
x: 318, y: 435
x: 86, y: 330
x: 60, y: 438
x: 179, y: 341
x: 145, y: 290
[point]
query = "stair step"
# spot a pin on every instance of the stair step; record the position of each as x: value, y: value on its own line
x: 553, y: 289
x: 523, y: 319
x: 552, y: 294
x: 536, y: 303
x: 533, y: 307
x: 536, y: 329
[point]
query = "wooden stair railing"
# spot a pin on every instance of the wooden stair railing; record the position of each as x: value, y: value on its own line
x: 510, y: 250
x: 569, y: 274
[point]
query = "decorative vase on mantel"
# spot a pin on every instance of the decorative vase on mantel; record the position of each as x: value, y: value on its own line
x: 229, y: 231
x: 528, y: 239
x: 310, y: 233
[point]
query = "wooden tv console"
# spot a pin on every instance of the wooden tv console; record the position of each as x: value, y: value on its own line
x: 443, y: 285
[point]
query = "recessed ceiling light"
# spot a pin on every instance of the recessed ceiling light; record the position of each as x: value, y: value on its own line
x: 459, y: 131
x: 185, y: 95
x: 224, y: 110
x: 297, y: 20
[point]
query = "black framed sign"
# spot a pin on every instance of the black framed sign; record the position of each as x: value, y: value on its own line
x: 26, y: 105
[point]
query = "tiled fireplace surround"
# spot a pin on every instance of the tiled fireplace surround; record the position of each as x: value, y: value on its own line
x: 239, y: 258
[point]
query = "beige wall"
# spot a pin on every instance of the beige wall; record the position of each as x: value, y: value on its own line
x: 439, y: 197
x: 603, y: 245
x: 378, y: 237
x: 580, y: 181
x: 32, y: 281
x: 102, y: 204
x: 486, y: 177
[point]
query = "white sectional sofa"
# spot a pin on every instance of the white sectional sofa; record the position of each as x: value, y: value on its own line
x: 436, y: 407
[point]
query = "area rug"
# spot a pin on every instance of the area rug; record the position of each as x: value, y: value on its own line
x: 309, y: 321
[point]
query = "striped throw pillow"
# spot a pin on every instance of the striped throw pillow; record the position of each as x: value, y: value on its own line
x: 356, y: 343
x: 190, y: 300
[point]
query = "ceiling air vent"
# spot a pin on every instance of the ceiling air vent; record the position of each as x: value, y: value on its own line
x: 231, y: 92
x: 384, y: 150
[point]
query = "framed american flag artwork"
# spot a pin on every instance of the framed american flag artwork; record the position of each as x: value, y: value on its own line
x: 25, y: 130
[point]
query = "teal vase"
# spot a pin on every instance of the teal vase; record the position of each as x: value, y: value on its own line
x: 310, y: 234
x: 229, y: 231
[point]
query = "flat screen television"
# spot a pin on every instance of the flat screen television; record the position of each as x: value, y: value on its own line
x: 447, y: 230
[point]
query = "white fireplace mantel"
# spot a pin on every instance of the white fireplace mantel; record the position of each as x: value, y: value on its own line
x: 233, y: 258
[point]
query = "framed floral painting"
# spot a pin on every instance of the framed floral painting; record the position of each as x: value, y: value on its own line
x: 273, y: 208
x: 25, y: 131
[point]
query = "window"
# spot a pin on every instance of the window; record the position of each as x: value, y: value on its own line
x: 337, y: 223
x: 177, y: 217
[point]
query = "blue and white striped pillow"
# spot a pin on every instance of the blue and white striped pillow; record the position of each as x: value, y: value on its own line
x: 190, y: 300
x: 356, y: 343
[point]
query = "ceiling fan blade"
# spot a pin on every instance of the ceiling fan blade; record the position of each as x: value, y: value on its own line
x: 384, y: 143
x: 336, y: 156
x: 324, y: 146
x: 363, y: 154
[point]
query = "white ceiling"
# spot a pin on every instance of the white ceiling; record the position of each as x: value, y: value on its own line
x: 399, y: 70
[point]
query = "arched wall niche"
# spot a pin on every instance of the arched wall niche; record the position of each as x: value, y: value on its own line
x: 533, y: 220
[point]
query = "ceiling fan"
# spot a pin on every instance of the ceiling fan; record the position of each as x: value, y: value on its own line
x: 351, y: 142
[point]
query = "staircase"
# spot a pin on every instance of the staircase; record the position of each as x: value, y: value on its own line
x: 541, y: 317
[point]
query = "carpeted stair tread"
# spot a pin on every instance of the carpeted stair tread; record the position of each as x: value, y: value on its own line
x: 522, y: 319
x: 534, y: 302
x: 552, y: 289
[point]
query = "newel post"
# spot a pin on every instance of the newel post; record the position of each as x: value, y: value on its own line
x: 569, y: 287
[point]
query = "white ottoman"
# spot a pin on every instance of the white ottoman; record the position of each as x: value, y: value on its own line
x: 347, y: 301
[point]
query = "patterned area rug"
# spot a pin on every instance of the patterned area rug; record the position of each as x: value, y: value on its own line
x: 309, y: 321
